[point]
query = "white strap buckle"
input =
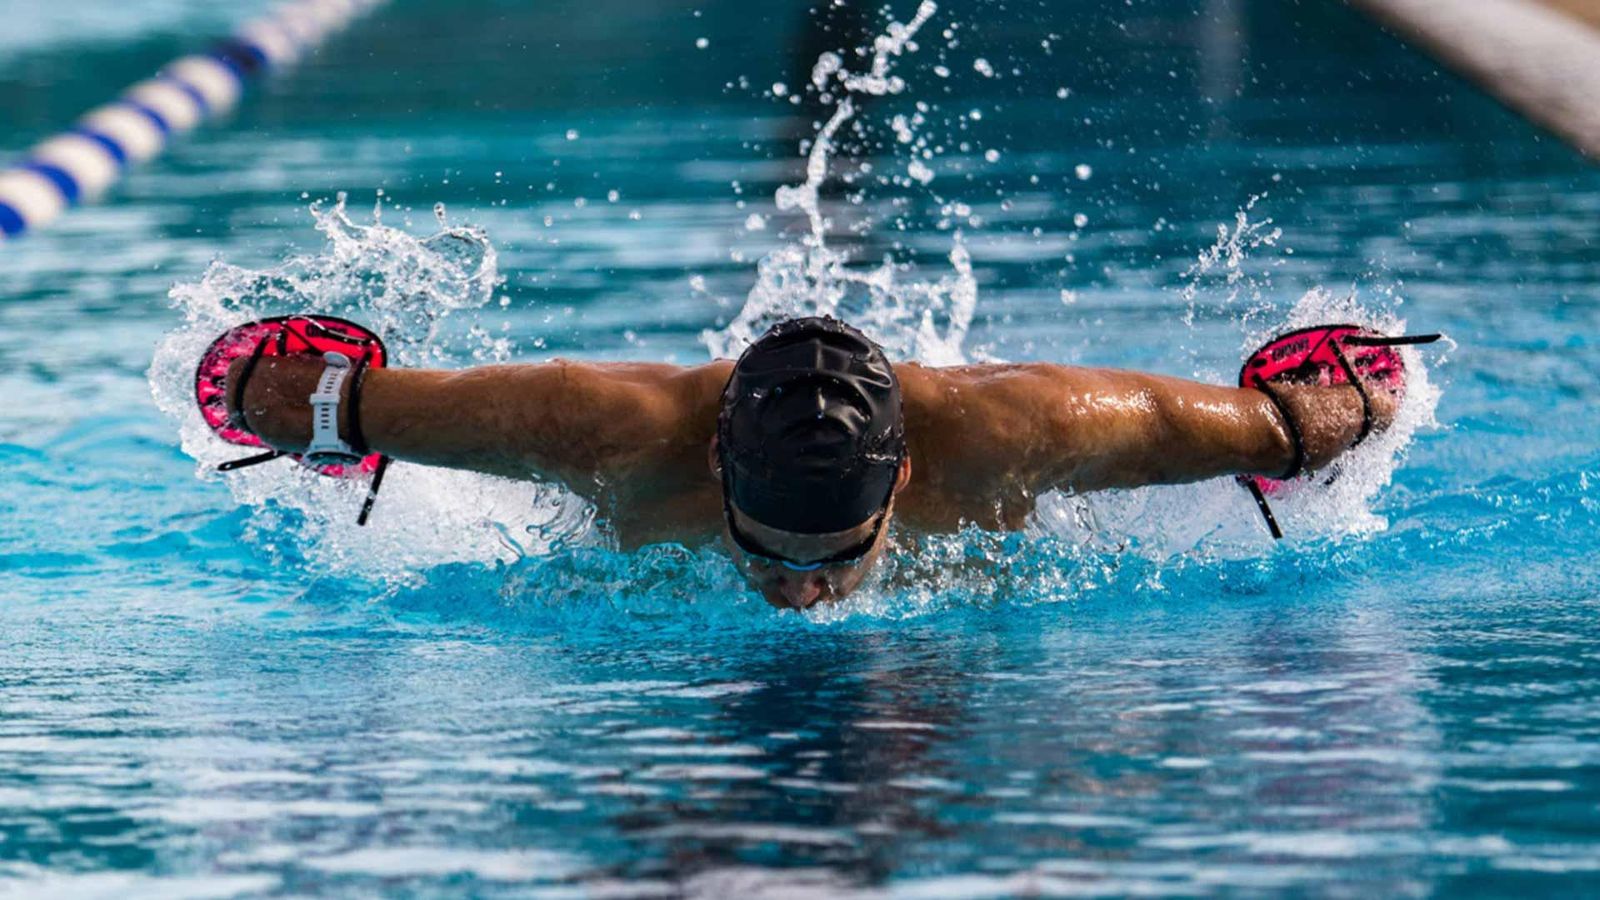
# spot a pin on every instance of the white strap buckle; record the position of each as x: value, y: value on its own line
x: 326, y: 445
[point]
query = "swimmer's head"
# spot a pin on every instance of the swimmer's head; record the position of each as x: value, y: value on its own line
x: 811, y: 450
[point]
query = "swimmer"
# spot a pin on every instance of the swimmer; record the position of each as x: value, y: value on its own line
x: 800, y: 455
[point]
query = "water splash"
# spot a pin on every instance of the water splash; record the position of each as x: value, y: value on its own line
x: 425, y: 296
x: 913, y: 319
x: 1231, y: 281
x: 1223, y: 264
x: 1217, y: 518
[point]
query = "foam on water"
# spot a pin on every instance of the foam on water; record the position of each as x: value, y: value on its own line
x: 430, y: 297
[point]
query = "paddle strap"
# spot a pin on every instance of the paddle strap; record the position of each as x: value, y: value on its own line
x: 1297, y: 441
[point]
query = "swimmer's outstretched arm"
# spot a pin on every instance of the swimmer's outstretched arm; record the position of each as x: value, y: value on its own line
x: 1050, y: 426
x: 578, y: 423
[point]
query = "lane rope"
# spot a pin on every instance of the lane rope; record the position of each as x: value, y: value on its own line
x: 79, y: 165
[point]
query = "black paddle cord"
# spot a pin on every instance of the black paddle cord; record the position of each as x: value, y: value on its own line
x: 1297, y: 463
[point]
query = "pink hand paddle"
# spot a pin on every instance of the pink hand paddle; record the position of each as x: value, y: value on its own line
x: 1324, y: 355
x: 307, y: 336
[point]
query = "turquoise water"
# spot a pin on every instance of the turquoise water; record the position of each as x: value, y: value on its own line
x: 221, y: 688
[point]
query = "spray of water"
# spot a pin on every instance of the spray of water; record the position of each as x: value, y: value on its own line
x: 426, y: 297
x: 911, y: 318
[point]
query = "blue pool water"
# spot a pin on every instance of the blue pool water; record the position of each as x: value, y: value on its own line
x: 221, y: 688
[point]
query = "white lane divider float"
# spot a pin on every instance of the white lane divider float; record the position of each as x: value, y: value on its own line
x: 79, y: 165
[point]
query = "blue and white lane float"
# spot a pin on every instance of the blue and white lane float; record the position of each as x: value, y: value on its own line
x: 79, y: 165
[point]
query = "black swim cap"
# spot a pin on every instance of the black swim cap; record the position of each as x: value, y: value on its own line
x: 811, y: 434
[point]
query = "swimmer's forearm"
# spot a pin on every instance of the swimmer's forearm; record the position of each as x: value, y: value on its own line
x: 1137, y: 430
x: 572, y: 422
x: 457, y: 420
x: 1123, y: 429
x: 400, y: 414
x: 1248, y: 434
x: 481, y: 419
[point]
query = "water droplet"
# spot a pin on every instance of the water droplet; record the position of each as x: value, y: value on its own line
x: 1083, y: 171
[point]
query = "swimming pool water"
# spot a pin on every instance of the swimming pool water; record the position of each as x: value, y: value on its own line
x: 200, y: 697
